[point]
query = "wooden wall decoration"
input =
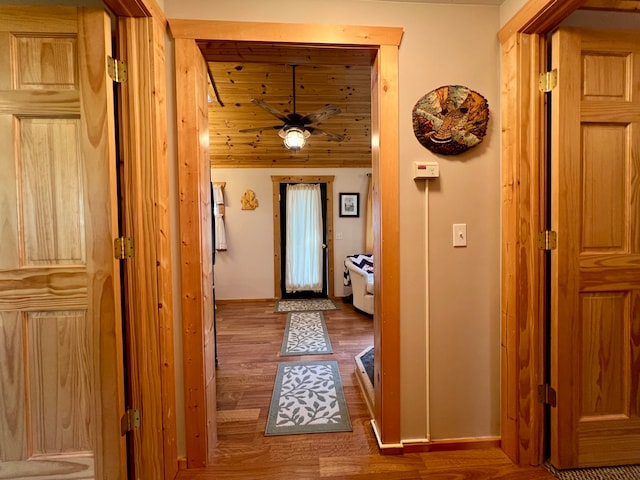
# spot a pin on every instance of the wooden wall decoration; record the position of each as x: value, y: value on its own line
x: 451, y: 119
x: 249, y: 200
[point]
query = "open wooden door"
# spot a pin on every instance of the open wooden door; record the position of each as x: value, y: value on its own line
x: 61, y: 372
x: 595, y: 319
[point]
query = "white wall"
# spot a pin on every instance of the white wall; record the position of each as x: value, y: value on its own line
x: 509, y: 8
x: 459, y: 327
x: 246, y: 270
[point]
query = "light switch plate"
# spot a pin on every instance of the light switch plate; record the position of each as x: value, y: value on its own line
x: 459, y: 234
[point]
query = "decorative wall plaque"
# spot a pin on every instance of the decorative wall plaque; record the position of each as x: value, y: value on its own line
x: 249, y: 200
x: 451, y: 119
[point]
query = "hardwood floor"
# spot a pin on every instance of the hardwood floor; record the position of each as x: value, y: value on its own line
x: 249, y: 341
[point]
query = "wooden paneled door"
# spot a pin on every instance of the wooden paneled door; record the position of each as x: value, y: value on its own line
x: 595, y: 304
x: 61, y: 372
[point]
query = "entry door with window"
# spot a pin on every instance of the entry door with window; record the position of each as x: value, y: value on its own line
x: 595, y: 272
x: 61, y: 360
x: 303, y: 229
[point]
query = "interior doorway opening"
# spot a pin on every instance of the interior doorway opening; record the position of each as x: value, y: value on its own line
x: 380, y: 46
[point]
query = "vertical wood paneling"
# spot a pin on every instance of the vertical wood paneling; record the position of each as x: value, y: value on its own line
x: 523, y: 205
x: 164, y: 262
x: 206, y: 251
x: 604, y: 187
x: 51, y: 192
x: 191, y: 80
x: 13, y: 427
x: 566, y: 201
x: 605, y: 354
x: 59, y: 354
x: 145, y: 36
x: 509, y: 392
x: 386, y: 244
x: 145, y: 181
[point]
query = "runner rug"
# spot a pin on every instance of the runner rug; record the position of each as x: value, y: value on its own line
x: 626, y: 472
x: 305, y: 305
x: 308, y: 398
x: 305, y: 334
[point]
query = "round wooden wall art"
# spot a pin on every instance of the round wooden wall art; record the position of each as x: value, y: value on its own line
x: 451, y: 119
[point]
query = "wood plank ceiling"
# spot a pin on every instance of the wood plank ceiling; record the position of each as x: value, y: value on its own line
x: 241, y: 71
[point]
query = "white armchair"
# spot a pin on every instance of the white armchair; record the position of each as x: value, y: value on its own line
x: 362, y: 287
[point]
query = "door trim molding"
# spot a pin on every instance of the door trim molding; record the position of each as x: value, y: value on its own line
x: 524, y: 46
x: 277, y: 238
x: 142, y: 35
x: 384, y: 41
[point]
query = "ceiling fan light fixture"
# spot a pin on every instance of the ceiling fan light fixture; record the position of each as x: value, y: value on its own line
x: 294, y: 138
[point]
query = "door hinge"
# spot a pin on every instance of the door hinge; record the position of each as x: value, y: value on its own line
x: 548, y: 81
x: 123, y: 248
x: 546, y: 395
x: 129, y: 421
x: 547, y: 240
x: 117, y: 70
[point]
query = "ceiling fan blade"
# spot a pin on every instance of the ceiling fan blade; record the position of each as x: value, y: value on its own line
x: 321, y: 114
x: 273, y: 111
x: 257, y: 129
x: 332, y: 136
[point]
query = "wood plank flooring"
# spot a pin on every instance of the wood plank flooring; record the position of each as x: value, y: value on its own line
x: 249, y: 341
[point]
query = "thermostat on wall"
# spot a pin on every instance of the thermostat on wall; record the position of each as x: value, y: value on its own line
x: 426, y: 170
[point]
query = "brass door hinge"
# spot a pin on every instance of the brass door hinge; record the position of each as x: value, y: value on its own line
x: 123, y: 248
x: 547, y: 240
x: 117, y: 70
x: 548, y: 81
x: 546, y: 395
x: 129, y: 421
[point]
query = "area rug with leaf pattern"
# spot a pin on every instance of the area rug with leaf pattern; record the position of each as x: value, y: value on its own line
x: 305, y: 305
x: 625, y: 472
x: 305, y: 334
x: 308, y: 398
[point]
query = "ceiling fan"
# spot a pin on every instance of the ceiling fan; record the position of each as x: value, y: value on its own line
x: 296, y: 128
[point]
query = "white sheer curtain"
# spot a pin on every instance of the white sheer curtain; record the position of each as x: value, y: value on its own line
x: 304, y: 238
x: 218, y: 218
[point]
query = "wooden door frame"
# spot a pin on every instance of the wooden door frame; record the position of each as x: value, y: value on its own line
x: 277, y: 233
x: 385, y: 40
x: 524, y: 193
x: 141, y: 31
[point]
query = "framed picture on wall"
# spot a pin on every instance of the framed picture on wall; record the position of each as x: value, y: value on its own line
x: 349, y: 204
